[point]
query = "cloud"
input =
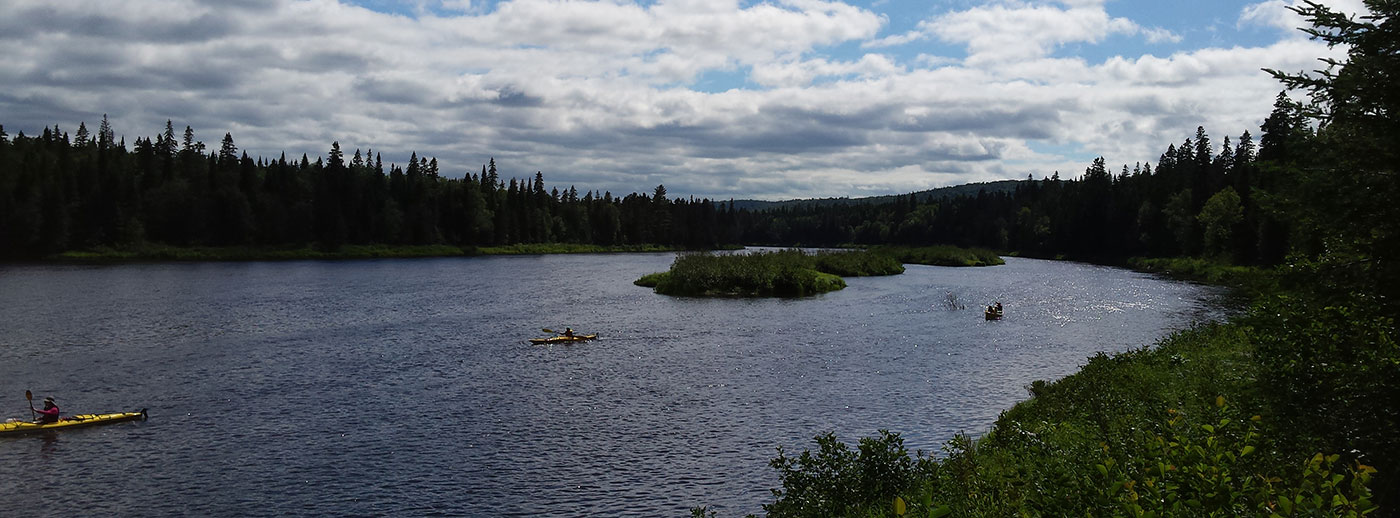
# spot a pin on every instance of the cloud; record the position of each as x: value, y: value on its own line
x: 800, y: 73
x: 895, y: 40
x: 1159, y: 35
x: 1276, y: 13
x: 602, y: 94
x: 1014, y: 31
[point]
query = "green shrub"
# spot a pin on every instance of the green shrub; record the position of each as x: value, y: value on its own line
x: 837, y: 481
x: 1334, y: 372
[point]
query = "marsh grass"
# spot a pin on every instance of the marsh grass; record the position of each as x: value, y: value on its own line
x: 570, y: 248
x: 1252, y: 281
x: 785, y: 273
x: 941, y: 255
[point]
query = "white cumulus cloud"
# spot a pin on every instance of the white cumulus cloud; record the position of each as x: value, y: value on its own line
x: 609, y: 95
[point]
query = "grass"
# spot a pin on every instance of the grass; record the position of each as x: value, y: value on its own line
x: 570, y: 248
x: 786, y: 273
x: 1253, y: 281
x: 942, y: 255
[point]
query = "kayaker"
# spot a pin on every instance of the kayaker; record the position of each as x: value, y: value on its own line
x: 50, y: 412
x: 998, y: 306
x: 569, y: 332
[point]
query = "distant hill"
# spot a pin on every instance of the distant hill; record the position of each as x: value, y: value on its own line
x: 970, y: 189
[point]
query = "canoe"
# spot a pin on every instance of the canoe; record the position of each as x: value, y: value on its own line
x: 74, y: 421
x: 992, y: 315
x: 561, y: 339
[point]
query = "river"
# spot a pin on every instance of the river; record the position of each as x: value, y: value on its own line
x: 407, y: 387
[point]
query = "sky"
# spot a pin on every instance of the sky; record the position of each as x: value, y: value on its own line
x: 721, y: 99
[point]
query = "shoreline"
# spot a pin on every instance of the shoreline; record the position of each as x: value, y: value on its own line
x: 166, y: 253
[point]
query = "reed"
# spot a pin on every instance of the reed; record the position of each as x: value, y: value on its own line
x: 941, y: 255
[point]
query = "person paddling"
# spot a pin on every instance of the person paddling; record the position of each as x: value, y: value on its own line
x: 50, y: 412
x: 569, y: 332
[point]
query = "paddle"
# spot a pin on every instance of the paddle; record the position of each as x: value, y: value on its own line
x: 548, y: 330
x: 30, y: 396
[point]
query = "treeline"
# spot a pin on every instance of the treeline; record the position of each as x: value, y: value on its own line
x: 60, y: 193
x: 1198, y: 199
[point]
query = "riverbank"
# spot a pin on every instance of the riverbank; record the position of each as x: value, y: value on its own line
x: 1287, y: 410
x: 155, y: 252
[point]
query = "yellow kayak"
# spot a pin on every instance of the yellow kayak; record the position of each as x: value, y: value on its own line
x: 74, y: 421
x: 563, y: 339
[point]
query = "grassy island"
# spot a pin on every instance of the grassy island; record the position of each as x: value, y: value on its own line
x: 787, y: 273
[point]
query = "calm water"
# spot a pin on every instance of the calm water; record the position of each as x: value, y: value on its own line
x: 406, y: 387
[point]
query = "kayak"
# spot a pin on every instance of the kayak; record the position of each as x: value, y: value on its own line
x: 561, y: 339
x: 992, y: 314
x: 74, y: 421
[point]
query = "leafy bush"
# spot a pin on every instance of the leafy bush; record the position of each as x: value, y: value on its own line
x: 1334, y: 371
x: 836, y: 481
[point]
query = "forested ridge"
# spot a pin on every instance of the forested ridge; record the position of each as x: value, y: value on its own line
x: 60, y: 192
x: 1188, y: 204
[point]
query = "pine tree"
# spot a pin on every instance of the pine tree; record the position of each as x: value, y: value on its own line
x: 165, y: 143
x: 337, y: 158
x: 228, y: 153
x: 104, y: 134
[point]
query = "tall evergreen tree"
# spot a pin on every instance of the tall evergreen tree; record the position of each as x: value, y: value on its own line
x: 228, y: 153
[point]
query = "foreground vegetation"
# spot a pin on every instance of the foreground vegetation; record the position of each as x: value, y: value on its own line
x: 786, y: 273
x: 1220, y: 420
